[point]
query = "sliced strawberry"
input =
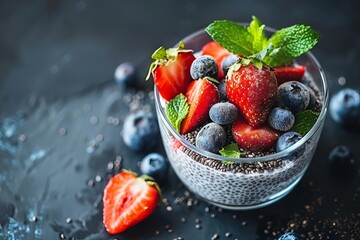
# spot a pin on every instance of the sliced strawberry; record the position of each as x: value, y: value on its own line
x: 286, y: 74
x: 127, y: 201
x: 253, y: 139
x: 253, y: 91
x: 171, y: 70
x: 218, y: 53
x: 201, y: 95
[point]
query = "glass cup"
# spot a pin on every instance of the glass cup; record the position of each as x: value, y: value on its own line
x: 252, y: 182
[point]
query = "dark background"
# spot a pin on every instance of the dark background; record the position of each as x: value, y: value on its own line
x: 58, y: 57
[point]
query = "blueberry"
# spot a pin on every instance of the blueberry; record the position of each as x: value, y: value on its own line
x: 341, y: 160
x: 294, y: 96
x: 287, y: 140
x: 313, y: 101
x: 289, y: 236
x: 125, y: 75
x: 154, y: 165
x: 281, y: 119
x: 204, y: 66
x: 345, y: 108
x: 222, y: 90
x: 228, y: 62
x: 140, y: 131
x: 223, y: 113
x: 212, y: 137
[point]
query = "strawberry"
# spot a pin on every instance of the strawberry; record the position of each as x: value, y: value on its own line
x: 253, y: 139
x: 218, y: 53
x: 201, y: 95
x: 171, y: 70
x: 128, y: 199
x: 252, y: 91
x: 286, y: 74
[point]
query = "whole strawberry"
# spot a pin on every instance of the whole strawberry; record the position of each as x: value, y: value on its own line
x: 253, y: 91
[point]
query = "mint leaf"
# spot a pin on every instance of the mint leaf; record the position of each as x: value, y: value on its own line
x: 292, y: 42
x: 256, y: 29
x: 304, y: 121
x: 176, y: 110
x: 232, y: 36
x: 231, y: 150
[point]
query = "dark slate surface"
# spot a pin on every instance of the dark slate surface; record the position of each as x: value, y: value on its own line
x: 61, y: 117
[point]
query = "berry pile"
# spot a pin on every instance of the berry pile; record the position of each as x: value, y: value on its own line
x: 254, y: 94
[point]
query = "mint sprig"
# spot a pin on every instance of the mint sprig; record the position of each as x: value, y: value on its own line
x: 304, y: 121
x: 232, y: 151
x: 176, y: 110
x: 292, y: 42
x: 282, y: 47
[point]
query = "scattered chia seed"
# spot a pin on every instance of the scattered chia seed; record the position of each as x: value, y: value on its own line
x: 68, y: 220
x: 215, y: 236
x: 109, y: 120
x: 213, y: 215
x: 228, y: 234
x: 98, y: 178
x: 62, y: 236
x: 93, y: 120
x: 243, y: 223
x: 198, y: 226
x: 115, y: 121
x: 197, y: 220
x: 342, y: 81
x: 91, y: 183
x: 169, y: 208
x: 183, y: 219
x: 99, y: 138
x: 110, y: 166
x: 22, y: 138
x: 62, y: 131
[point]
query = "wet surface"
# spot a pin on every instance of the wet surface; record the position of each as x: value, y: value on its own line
x: 62, y: 114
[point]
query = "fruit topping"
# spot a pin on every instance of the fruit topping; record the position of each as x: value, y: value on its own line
x: 228, y: 62
x: 287, y: 140
x: 139, y: 131
x: 253, y: 139
x: 287, y: 73
x: 154, y: 165
x: 201, y: 95
x: 128, y: 200
x: 222, y: 91
x: 212, y: 138
x: 345, y: 108
x: 293, y: 95
x: 171, y: 70
x: 252, y: 91
x: 204, y: 66
x: 218, y: 53
x: 125, y: 75
x: 289, y: 236
x: 223, y: 113
x: 281, y: 119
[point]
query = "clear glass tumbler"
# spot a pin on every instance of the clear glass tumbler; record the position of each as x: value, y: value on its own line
x: 239, y: 190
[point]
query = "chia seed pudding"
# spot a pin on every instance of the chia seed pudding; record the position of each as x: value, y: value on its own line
x: 255, y: 179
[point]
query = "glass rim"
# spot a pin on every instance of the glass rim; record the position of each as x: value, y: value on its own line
x: 270, y: 157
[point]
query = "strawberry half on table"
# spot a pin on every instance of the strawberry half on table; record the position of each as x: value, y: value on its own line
x: 171, y: 70
x: 128, y: 200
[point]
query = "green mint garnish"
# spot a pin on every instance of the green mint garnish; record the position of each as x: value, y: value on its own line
x: 292, y: 42
x: 232, y: 36
x: 232, y: 151
x: 251, y: 42
x: 176, y: 110
x: 304, y: 121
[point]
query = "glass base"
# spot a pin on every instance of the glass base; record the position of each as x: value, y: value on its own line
x: 273, y: 199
